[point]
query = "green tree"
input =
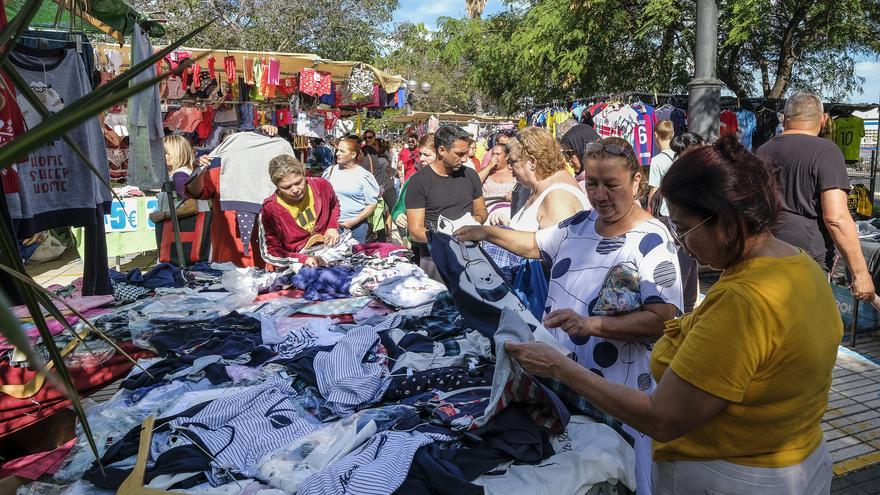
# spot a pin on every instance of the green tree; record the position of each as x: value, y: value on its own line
x: 557, y: 49
x: 334, y: 29
x: 416, y: 53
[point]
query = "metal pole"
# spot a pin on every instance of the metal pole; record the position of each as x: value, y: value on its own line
x: 875, y: 159
x: 168, y: 188
x: 704, y: 91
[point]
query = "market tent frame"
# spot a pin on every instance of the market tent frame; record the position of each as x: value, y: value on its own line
x: 451, y: 117
x: 291, y: 63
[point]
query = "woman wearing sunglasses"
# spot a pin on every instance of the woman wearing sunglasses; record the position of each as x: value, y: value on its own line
x: 744, y: 379
x: 614, y: 279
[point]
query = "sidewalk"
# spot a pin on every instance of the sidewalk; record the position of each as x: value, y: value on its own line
x: 852, y: 422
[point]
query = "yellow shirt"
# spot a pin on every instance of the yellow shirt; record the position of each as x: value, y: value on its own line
x: 765, y: 339
x: 303, y: 212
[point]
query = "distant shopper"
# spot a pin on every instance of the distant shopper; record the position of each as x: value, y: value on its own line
x: 814, y: 183
x: 355, y: 187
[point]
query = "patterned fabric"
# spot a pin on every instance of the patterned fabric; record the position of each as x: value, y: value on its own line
x: 511, y: 384
x: 127, y: 293
x: 360, y: 82
x: 355, y: 373
x: 314, y: 83
x: 240, y: 429
x: 582, y: 405
x: 504, y: 259
x: 377, y: 468
x: 406, y: 384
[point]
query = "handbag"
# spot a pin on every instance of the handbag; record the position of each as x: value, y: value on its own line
x: 620, y: 293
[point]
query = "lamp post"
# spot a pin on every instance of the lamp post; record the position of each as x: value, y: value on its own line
x: 704, y: 91
x: 414, y: 89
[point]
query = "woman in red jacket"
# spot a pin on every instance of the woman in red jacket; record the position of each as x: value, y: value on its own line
x: 300, y: 208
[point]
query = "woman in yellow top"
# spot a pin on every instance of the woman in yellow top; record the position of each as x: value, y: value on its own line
x: 743, y: 380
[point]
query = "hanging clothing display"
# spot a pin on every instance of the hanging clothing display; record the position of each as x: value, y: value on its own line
x: 56, y: 187
x: 729, y: 123
x: 848, y: 134
x: 241, y: 190
x: 746, y: 125
x: 146, y: 161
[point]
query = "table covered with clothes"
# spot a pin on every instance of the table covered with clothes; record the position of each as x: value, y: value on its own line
x: 360, y: 377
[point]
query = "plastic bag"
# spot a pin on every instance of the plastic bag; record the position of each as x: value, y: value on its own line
x: 48, y: 250
x: 247, y: 282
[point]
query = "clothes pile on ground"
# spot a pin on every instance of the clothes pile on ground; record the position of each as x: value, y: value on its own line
x: 363, y: 377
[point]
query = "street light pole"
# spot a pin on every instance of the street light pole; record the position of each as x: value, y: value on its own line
x: 704, y: 91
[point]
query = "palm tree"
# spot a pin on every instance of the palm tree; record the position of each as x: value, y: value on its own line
x: 475, y: 8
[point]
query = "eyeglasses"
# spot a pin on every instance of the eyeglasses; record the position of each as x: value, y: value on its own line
x: 680, y: 237
x: 568, y: 153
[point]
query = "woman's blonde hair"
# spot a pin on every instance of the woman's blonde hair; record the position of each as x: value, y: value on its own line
x: 283, y: 165
x: 543, y: 151
x: 180, y: 151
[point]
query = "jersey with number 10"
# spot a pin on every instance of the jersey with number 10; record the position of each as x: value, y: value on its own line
x: 848, y: 134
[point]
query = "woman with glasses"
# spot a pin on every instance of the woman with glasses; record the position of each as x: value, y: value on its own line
x: 744, y: 378
x: 574, y: 144
x: 537, y: 163
x: 614, y: 279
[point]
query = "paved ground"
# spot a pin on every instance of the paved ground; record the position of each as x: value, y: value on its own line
x: 863, y: 482
x: 851, y: 424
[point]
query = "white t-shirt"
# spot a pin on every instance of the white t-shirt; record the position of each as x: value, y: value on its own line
x: 659, y: 166
x: 581, y: 260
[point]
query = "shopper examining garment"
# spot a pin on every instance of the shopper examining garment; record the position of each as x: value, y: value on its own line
x: 300, y: 208
x: 445, y: 187
x: 756, y: 428
x: 537, y: 162
x: 614, y: 280
x: 814, y: 182
x: 355, y: 187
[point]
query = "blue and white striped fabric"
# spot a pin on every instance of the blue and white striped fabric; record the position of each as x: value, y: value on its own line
x: 240, y: 429
x: 377, y: 468
x: 345, y: 378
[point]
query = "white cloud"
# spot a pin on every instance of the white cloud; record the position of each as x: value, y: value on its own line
x: 870, y: 93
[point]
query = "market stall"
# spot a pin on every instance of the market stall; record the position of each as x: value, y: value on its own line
x: 318, y: 380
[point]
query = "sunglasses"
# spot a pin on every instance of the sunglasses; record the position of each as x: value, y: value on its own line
x: 610, y: 148
x: 680, y: 237
x: 568, y: 153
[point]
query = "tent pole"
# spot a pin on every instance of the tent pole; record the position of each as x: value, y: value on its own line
x: 168, y: 188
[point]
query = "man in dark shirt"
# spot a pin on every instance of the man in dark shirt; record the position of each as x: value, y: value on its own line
x: 446, y: 187
x: 814, y: 186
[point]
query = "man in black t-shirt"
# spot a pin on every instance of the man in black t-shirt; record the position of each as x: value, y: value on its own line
x: 446, y: 187
x: 814, y: 185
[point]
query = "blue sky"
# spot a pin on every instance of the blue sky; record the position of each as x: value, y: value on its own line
x: 427, y: 12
